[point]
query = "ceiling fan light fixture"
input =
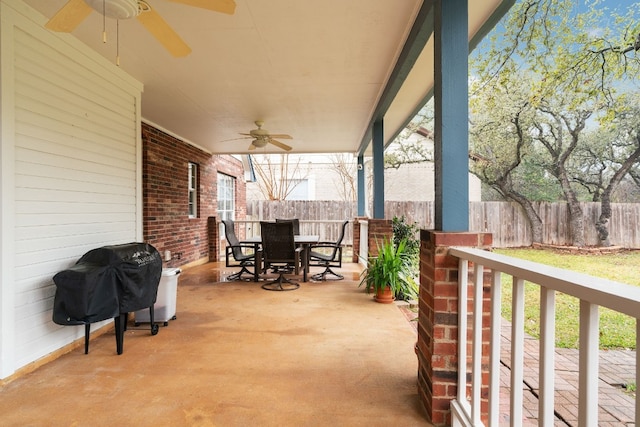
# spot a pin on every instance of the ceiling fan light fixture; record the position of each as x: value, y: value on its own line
x: 259, y: 142
x: 117, y: 9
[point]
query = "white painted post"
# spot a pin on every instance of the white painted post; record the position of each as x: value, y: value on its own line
x: 547, y: 355
x: 517, y: 351
x: 496, y: 337
x: 476, y: 370
x: 588, y: 364
x: 463, y: 272
x: 637, y: 371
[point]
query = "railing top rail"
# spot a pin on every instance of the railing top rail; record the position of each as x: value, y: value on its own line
x: 617, y: 296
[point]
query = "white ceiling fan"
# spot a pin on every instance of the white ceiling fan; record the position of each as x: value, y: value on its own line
x: 75, y: 11
x: 262, y: 137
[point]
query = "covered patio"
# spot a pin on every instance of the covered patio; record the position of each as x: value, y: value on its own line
x: 237, y: 355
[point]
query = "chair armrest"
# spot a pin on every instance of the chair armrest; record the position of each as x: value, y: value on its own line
x: 328, y: 246
x: 241, y: 246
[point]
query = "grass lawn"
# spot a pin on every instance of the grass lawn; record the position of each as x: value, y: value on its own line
x: 617, y: 330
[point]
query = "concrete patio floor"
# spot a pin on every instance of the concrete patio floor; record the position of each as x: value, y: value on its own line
x: 237, y: 355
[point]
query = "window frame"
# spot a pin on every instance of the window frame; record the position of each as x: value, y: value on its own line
x: 226, y: 207
x: 192, y: 190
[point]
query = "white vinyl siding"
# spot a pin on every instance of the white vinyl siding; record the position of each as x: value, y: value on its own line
x: 75, y: 175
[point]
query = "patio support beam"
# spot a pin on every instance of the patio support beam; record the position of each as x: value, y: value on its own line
x: 378, y: 169
x: 451, y: 115
x: 362, y: 195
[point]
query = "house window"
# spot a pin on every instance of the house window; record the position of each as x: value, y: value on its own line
x: 193, y: 190
x: 226, y: 196
x: 299, y: 189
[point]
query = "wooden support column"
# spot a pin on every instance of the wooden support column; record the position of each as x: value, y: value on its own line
x: 378, y: 170
x: 451, y: 115
x: 362, y: 194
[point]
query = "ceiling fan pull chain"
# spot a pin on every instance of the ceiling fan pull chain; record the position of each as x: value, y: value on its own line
x: 118, y: 42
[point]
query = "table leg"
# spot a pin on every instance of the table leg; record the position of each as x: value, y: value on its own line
x: 305, y: 262
x: 258, y: 266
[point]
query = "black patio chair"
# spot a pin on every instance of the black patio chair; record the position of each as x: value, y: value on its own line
x: 328, y: 255
x: 280, y: 253
x: 296, y: 224
x: 238, y: 255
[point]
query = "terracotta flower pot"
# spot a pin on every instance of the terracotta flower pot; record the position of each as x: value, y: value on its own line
x: 384, y: 295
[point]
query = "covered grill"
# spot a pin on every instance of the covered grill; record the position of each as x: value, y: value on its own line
x: 108, y: 282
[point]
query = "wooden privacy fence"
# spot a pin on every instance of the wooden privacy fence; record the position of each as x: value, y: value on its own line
x: 504, y: 220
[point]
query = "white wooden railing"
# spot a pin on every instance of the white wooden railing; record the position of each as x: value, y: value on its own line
x: 363, y: 254
x: 592, y: 293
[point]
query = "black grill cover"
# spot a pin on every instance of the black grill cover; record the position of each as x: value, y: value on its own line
x: 106, y: 282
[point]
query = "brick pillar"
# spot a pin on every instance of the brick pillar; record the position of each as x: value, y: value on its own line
x: 213, y: 238
x: 356, y: 240
x: 437, y: 346
x: 379, y: 229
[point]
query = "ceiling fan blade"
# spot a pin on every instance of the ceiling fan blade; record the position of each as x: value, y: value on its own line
x: 222, y: 6
x: 251, y: 146
x: 69, y: 17
x: 280, y: 144
x: 234, y: 139
x: 159, y: 28
x: 281, y: 136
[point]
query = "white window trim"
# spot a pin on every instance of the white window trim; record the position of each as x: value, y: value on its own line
x: 192, y: 204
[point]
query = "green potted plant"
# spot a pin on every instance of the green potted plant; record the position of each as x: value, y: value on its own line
x: 409, y: 232
x: 385, y: 275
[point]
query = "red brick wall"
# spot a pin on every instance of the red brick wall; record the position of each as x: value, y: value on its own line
x: 166, y: 222
x: 379, y: 231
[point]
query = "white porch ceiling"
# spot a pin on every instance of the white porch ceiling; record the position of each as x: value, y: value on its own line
x: 315, y: 70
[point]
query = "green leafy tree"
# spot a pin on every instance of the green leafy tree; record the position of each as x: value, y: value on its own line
x: 552, y: 72
x: 600, y: 168
x: 407, y: 150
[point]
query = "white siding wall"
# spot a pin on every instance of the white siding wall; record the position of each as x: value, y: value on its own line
x: 410, y: 182
x: 75, y: 173
x: 416, y: 183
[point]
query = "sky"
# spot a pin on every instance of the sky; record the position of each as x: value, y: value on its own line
x: 620, y: 6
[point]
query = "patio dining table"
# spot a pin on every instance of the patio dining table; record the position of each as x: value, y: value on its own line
x: 305, y: 241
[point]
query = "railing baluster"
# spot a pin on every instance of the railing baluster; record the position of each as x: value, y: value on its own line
x: 496, y: 338
x: 517, y: 351
x: 588, y: 365
x: 463, y: 291
x: 637, y: 418
x: 547, y: 355
x: 476, y: 370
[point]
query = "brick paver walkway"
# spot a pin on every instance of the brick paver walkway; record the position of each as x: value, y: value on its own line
x: 617, y: 368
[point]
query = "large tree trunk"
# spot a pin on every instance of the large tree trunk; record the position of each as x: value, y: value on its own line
x: 576, y: 216
x: 602, y: 224
x: 503, y: 186
x: 532, y: 216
